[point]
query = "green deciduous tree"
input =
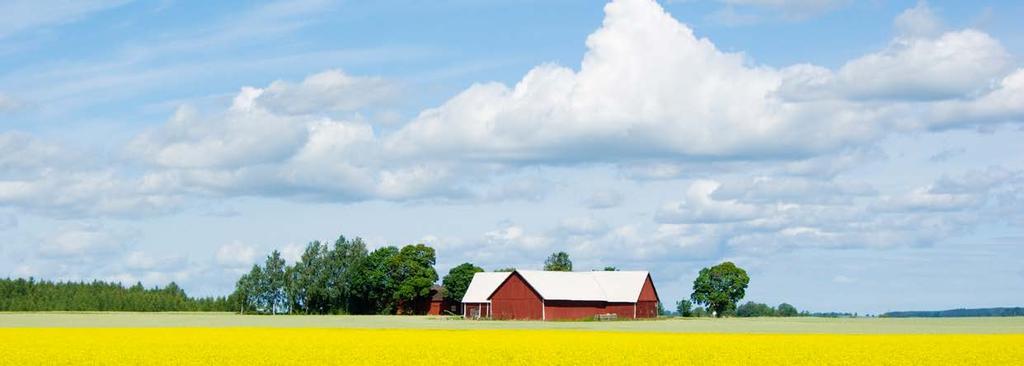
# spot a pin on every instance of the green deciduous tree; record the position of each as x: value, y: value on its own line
x: 344, y: 265
x: 308, y: 281
x: 558, y: 262
x: 720, y: 287
x: 754, y: 309
x: 414, y: 274
x: 684, y: 308
x: 273, y: 284
x: 249, y: 289
x: 785, y: 309
x: 375, y: 282
x: 457, y: 281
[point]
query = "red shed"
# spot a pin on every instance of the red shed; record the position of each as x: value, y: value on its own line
x: 548, y: 295
x: 436, y: 300
x: 434, y: 304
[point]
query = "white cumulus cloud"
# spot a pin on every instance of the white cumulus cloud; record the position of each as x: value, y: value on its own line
x: 328, y: 91
x: 236, y: 255
x: 951, y: 65
x: 918, y: 21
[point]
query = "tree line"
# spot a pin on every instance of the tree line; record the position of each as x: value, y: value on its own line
x: 344, y: 278
x: 1015, y: 311
x: 32, y: 295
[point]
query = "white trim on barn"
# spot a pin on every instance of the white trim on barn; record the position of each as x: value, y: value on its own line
x: 483, y: 285
x: 480, y: 288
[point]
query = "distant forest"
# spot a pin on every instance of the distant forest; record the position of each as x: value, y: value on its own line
x: 32, y: 295
x: 956, y: 313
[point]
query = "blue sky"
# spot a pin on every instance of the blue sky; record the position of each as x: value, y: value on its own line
x: 853, y: 156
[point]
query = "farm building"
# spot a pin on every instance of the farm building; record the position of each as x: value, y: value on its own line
x: 476, y: 303
x: 548, y: 295
x: 439, y: 305
x: 434, y: 304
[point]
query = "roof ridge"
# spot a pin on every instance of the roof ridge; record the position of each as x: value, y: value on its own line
x: 604, y: 292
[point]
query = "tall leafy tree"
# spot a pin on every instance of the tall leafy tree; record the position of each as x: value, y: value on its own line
x: 294, y: 294
x: 456, y: 282
x: 310, y: 280
x: 374, y: 283
x: 719, y: 288
x: 558, y: 262
x: 255, y: 287
x: 414, y: 273
x: 342, y: 268
x: 273, y: 289
x: 246, y: 290
x: 684, y: 308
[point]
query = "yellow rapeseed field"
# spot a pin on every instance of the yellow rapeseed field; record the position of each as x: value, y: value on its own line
x: 291, y: 346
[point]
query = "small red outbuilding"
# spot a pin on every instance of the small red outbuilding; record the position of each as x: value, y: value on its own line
x: 435, y: 304
x: 548, y: 295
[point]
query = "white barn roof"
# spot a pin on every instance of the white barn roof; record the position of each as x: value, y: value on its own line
x: 483, y: 285
x: 610, y: 286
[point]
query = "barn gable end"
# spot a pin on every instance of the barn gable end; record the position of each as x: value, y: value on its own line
x: 648, y: 292
x: 516, y: 299
x: 476, y: 303
x: 647, y: 303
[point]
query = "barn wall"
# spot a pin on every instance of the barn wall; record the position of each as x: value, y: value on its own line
x: 564, y: 309
x: 623, y: 309
x: 483, y: 308
x: 514, y: 299
x: 647, y: 309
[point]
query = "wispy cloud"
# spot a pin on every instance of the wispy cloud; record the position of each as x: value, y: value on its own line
x: 25, y: 15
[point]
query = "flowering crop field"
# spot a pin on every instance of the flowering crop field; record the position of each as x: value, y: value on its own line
x: 309, y: 346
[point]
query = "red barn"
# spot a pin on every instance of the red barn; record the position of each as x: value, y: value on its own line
x: 548, y: 295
